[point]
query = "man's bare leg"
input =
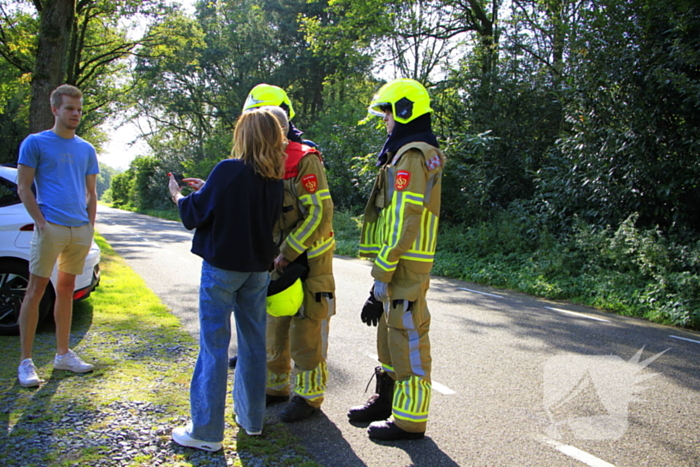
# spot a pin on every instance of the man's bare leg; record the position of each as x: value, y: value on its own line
x: 63, y: 311
x: 29, y: 313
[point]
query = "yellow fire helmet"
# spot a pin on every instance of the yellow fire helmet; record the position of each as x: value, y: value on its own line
x: 408, y: 100
x: 285, y: 294
x: 286, y: 302
x: 267, y: 94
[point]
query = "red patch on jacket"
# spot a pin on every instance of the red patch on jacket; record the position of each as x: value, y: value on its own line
x: 295, y: 152
x: 403, y: 177
x: 434, y: 163
x: 310, y: 182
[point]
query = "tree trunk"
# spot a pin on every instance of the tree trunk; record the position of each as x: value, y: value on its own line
x: 555, y: 11
x: 57, y: 17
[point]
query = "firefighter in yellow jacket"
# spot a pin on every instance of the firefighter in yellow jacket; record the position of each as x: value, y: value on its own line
x: 305, y: 235
x: 400, y: 233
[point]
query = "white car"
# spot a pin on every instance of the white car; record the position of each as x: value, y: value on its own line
x: 16, y: 230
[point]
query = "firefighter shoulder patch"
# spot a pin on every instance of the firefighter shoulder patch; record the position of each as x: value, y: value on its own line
x: 434, y: 162
x: 310, y: 182
x: 403, y: 178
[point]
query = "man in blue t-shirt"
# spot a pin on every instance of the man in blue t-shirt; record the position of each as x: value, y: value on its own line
x: 64, y: 169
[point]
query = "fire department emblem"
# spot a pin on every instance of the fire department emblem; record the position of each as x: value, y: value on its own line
x: 403, y: 177
x: 310, y: 182
x: 434, y: 162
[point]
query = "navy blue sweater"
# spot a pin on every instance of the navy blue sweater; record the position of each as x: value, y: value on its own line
x: 234, y: 214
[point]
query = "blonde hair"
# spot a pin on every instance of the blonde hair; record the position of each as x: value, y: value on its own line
x: 258, y: 141
x: 64, y: 90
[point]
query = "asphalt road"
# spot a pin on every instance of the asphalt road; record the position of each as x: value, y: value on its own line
x: 518, y: 381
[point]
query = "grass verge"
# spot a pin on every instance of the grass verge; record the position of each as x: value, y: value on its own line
x: 123, y: 412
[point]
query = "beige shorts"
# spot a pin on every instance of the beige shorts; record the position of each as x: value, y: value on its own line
x: 68, y: 245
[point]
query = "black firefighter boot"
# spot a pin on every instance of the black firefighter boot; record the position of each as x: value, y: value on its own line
x: 387, y: 430
x: 377, y: 407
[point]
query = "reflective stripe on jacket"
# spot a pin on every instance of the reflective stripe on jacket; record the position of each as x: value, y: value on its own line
x: 306, y: 223
x: 401, y: 217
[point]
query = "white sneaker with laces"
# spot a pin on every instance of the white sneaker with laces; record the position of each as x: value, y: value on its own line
x: 71, y: 362
x: 182, y: 437
x: 26, y: 373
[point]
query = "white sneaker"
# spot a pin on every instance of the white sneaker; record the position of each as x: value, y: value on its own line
x: 249, y: 433
x: 71, y: 362
x: 26, y: 373
x: 182, y: 437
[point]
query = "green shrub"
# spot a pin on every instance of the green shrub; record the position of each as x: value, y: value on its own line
x: 346, y: 229
x: 628, y: 270
x: 120, y: 187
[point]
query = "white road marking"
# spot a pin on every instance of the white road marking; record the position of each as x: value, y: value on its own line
x: 441, y: 388
x: 481, y: 293
x: 581, y: 315
x: 577, y: 454
x: 685, y: 339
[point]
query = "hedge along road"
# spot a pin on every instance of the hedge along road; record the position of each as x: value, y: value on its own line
x: 517, y: 381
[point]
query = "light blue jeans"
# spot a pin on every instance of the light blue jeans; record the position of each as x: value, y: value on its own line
x: 221, y: 292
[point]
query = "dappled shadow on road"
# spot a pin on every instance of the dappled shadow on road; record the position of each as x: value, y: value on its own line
x: 509, y: 341
x: 151, y: 229
x: 594, y: 333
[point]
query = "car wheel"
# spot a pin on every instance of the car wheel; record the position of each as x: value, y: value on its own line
x: 14, y: 277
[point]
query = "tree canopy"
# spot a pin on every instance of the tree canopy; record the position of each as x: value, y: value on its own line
x: 86, y: 43
x: 561, y: 113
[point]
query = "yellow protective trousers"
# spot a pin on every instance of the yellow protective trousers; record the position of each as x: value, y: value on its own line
x: 303, y: 338
x: 403, y: 347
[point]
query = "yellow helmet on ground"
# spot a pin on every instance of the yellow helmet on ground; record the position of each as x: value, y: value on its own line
x: 407, y: 98
x: 267, y: 94
x: 287, y: 302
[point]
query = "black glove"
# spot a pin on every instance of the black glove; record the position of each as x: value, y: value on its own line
x: 372, y: 310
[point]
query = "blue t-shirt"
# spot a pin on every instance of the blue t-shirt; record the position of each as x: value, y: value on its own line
x: 60, y: 168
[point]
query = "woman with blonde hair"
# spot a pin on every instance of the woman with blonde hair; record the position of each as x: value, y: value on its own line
x: 234, y: 213
x: 256, y: 142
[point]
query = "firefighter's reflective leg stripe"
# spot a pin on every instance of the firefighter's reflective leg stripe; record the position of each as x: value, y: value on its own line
x: 311, y: 385
x: 277, y: 382
x: 325, y: 325
x: 279, y: 365
x: 309, y: 347
x: 413, y: 342
x: 313, y: 203
x: 408, y: 348
x: 320, y: 247
x: 411, y: 400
